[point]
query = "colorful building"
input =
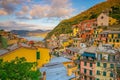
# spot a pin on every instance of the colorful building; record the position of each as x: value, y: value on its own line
x: 96, y: 36
x: 104, y: 20
x: 110, y: 37
x: 106, y: 64
x: 40, y: 55
x: 88, y: 65
x: 103, y: 36
x: 99, y: 63
x: 114, y: 38
x: 87, y: 29
x: 112, y: 21
x: 76, y: 42
x: 75, y: 30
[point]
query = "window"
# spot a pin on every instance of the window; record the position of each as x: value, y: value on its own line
x: 108, y: 57
x: 97, y: 79
x: 118, y: 35
x: 90, y: 72
x: 112, y: 36
x: 85, y: 71
x: 109, y: 40
x: 38, y: 55
x: 91, y: 65
x: 104, y: 73
x: 98, y: 72
x: 113, y: 57
x: 113, y: 40
x: 111, y: 65
x: 90, y: 78
x: 102, y: 17
x: 104, y: 65
x: 98, y: 64
x: 117, y: 40
x: 78, y: 66
x: 111, y: 74
x: 85, y: 63
x: 101, y: 56
x: 85, y: 77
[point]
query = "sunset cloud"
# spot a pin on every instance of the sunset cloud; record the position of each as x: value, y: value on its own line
x: 9, y: 6
x: 50, y: 8
x: 56, y: 8
x: 3, y: 12
x: 12, y: 25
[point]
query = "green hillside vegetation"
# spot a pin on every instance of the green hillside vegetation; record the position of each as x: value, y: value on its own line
x: 65, y: 26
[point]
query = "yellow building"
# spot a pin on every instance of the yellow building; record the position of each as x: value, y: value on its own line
x: 96, y: 36
x: 11, y: 42
x: 75, y: 30
x: 112, y: 21
x: 71, y: 69
x: 30, y: 54
x: 105, y: 67
x: 67, y: 43
x: 114, y: 38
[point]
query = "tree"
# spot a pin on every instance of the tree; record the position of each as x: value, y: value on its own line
x: 4, y: 42
x: 18, y: 69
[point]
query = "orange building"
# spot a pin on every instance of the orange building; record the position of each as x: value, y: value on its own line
x: 87, y: 28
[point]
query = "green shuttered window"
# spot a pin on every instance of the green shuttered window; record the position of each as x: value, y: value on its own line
x: 98, y: 72
x: 98, y: 64
x: 38, y: 55
x: 85, y: 63
x: 90, y: 72
x: 111, y: 65
x: 85, y: 71
x: 111, y: 74
x: 104, y: 73
x: 104, y: 65
x: 91, y: 65
x: 97, y: 79
x: 101, y: 56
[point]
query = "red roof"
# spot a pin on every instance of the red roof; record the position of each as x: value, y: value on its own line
x: 31, y: 42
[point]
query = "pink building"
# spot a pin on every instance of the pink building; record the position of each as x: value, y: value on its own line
x: 87, y: 63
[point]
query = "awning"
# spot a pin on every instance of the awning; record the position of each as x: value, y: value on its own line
x: 87, y: 54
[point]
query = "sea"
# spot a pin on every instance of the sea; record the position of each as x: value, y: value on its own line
x: 33, y: 38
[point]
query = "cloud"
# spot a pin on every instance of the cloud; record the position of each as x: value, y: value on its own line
x: 37, y: 10
x: 40, y: 11
x: 50, y: 9
x: 24, y: 17
x: 24, y: 11
x: 3, y: 12
x: 9, y: 5
x: 12, y: 25
x: 56, y: 8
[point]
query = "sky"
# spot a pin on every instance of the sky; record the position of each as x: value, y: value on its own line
x: 39, y: 14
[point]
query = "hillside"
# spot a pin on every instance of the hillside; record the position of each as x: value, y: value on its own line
x: 113, y: 6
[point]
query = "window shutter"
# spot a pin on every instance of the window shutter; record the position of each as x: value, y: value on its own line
x: 38, y: 55
x: 111, y: 74
x: 111, y: 65
x: 101, y: 56
x: 104, y: 73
